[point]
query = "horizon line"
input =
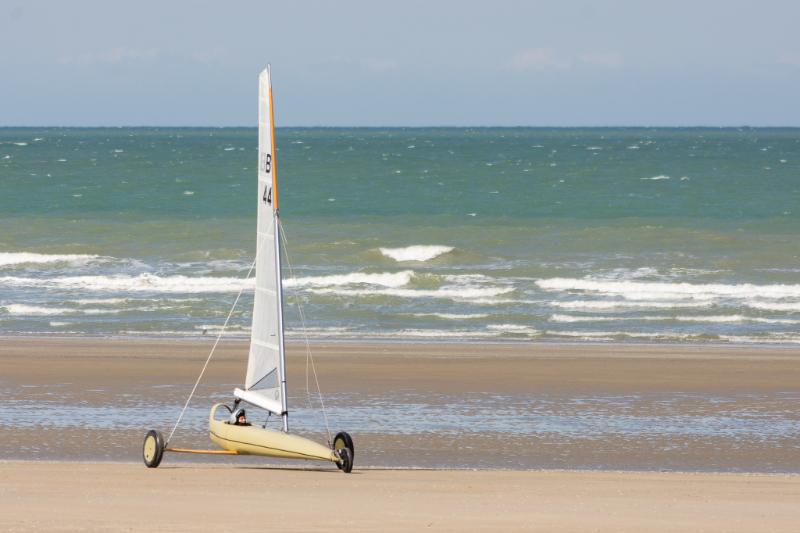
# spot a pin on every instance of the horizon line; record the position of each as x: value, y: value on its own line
x: 388, y: 126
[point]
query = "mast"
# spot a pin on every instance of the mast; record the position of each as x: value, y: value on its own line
x: 278, y: 277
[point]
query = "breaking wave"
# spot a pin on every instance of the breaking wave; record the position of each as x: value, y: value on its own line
x: 140, y: 283
x: 711, y: 319
x: 451, y: 293
x: 636, y: 290
x: 452, y: 316
x: 384, y: 279
x: 35, y: 310
x: 417, y: 252
x: 24, y: 258
x: 589, y: 305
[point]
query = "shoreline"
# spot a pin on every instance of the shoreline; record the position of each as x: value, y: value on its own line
x: 413, y: 341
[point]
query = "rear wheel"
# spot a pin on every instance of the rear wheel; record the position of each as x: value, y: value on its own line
x: 343, y: 446
x: 153, y: 448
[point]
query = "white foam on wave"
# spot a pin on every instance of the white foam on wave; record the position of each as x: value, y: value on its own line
x: 417, y: 252
x: 438, y: 334
x: 200, y: 284
x: 467, y: 278
x: 775, y: 338
x: 140, y: 283
x: 583, y: 305
x: 617, y: 335
x: 636, y: 290
x: 775, y: 306
x: 452, y: 316
x: 449, y: 293
x: 713, y: 319
x: 208, y: 329
x: 116, y: 301
x: 383, y: 279
x: 517, y: 329
x: 347, y: 333
x: 656, y: 178
x: 22, y: 258
x: 34, y: 310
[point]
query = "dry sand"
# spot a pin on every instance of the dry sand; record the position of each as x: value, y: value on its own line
x: 125, y: 497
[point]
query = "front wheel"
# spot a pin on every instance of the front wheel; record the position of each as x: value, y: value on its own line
x: 343, y: 446
x: 153, y: 448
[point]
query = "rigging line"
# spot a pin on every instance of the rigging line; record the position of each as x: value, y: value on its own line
x: 309, y: 355
x: 208, y: 359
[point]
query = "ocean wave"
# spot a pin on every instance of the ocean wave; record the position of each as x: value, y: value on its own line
x: 773, y: 338
x: 452, y: 316
x: 775, y: 306
x: 517, y: 329
x: 384, y: 279
x: 619, y: 335
x: 140, y: 283
x: 661, y: 290
x: 718, y: 319
x: 117, y: 301
x: 468, y: 278
x: 35, y: 310
x: 451, y: 293
x: 418, y: 252
x: 24, y: 258
x: 347, y: 333
x: 656, y: 178
x: 592, y: 305
x: 216, y: 329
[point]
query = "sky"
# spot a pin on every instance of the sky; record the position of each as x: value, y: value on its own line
x: 401, y: 63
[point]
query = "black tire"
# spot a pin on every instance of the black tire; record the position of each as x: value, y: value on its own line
x: 153, y: 448
x: 343, y: 446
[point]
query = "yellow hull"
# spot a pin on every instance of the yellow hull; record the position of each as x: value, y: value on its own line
x: 254, y: 440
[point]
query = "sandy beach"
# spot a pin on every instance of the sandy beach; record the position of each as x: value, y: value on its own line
x: 126, y: 497
x: 510, y: 406
x: 71, y: 461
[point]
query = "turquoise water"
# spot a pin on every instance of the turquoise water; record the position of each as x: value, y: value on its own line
x: 657, y: 235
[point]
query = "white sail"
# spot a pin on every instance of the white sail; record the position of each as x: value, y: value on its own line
x: 265, y: 380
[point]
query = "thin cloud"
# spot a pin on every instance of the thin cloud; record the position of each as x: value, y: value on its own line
x: 537, y: 59
x: 791, y: 59
x: 112, y: 56
x: 602, y: 59
x: 547, y: 58
x: 379, y: 65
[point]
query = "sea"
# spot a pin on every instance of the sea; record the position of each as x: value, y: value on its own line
x: 655, y: 235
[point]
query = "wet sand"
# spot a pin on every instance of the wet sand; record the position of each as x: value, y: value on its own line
x: 112, y: 497
x: 669, y: 386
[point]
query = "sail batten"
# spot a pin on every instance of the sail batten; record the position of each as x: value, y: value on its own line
x: 265, y: 379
